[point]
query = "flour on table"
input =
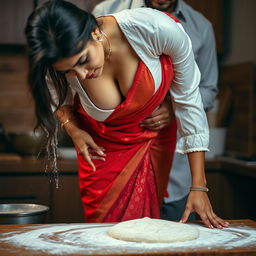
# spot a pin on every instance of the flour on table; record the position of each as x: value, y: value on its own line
x: 153, y: 231
x: 92, y: 239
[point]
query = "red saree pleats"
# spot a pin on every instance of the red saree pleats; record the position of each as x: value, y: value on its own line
x: 138, y: 198
x: 131, y: 182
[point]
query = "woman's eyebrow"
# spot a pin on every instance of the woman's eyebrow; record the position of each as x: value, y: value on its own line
x: 65, y: 71
x: 77, y: 61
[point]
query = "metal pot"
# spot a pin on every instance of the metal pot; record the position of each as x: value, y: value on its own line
x: 26, y: 143
x: 23, y: 213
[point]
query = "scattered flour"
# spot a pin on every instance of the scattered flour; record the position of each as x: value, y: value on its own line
x: 87, y: 239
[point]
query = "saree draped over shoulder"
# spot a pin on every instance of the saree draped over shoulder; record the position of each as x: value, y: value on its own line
x: 132, y: 181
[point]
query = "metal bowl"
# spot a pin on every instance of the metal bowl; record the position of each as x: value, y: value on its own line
x: 26, y: 143
x: 23, y: 213
x: 67, y: 153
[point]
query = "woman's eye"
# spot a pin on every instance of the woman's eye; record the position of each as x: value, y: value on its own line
x: 83, y: 62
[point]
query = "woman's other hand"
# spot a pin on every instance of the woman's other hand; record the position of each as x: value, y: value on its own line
x: 198, y: 202
x: 160, y: 117
x: 83, y: 142
x: 85, y: 145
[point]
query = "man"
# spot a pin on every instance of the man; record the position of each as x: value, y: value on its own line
x: 201, y: 34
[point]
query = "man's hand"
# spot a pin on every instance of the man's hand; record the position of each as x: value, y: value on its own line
x: 159, y: 118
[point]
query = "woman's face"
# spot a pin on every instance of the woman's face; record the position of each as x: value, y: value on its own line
x: 87, y: 64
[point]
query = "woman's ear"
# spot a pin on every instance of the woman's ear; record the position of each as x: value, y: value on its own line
x: 96, y: 35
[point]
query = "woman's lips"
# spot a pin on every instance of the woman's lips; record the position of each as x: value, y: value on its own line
x: 92, y: 75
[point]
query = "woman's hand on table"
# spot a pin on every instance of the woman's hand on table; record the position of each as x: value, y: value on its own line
x: 199, y: 202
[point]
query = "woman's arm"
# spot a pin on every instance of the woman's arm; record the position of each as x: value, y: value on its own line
x: 198, y: 200
x: 190, y: 115
x: 82, y: 140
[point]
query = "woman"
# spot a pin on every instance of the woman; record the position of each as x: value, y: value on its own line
x: 102, y: 77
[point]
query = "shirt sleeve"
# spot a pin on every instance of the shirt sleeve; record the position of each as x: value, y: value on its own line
x: 207, y: 64
x: 186, y: 99
x: 55, y: 99
x: 109, y: 6
x: 99, y: 10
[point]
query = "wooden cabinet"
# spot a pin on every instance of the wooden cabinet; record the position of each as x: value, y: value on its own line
x: 24, y: 189
x: 26, y: 182
x: 232, y: 189
x: 66, y: 205
x: 21, y: 188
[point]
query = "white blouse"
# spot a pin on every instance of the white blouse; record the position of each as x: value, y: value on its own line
x: 146, y: 30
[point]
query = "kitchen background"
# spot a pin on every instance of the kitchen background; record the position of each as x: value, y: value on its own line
x: 231, y: 165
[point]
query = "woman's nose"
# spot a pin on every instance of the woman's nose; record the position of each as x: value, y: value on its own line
x: 81, y: 73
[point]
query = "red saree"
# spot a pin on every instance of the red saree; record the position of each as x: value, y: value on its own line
x: 132, y: 181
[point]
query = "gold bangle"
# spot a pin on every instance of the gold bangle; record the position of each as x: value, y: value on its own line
x: 65, y: 122
x: 204, y: 189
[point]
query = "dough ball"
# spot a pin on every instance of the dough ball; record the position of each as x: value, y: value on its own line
x: 153, y: 231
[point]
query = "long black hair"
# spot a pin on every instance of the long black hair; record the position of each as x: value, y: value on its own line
x: 56, y: 30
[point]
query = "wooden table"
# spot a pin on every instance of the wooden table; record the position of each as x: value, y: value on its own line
x: 8, y: 249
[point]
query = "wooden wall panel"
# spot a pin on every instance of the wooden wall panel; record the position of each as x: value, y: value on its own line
x: 13, y: 15
x: 213, y: 11
x: 241, y: 131
x: 83, y: 4
x: 16, y: 104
